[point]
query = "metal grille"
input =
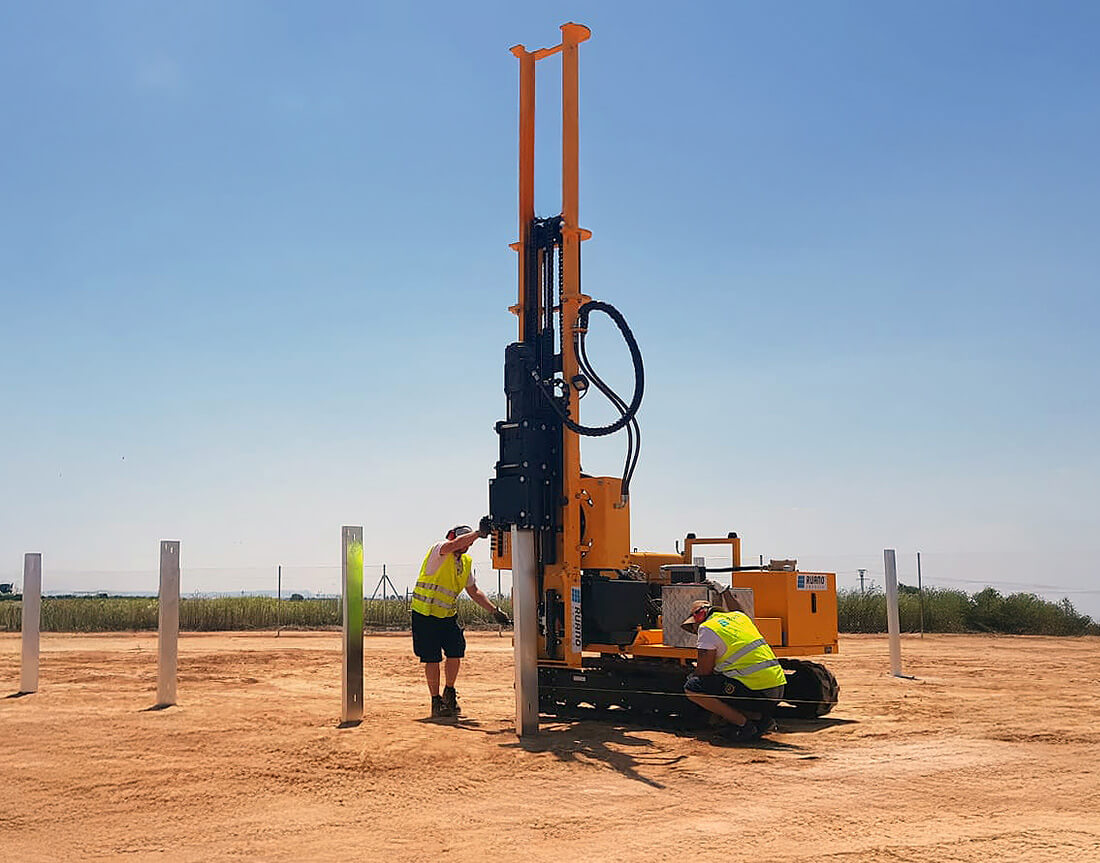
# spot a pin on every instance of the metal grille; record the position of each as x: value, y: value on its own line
x: 743, y: 595
x: 676, y: 600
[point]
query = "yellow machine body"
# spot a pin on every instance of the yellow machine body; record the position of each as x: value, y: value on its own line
x: 795, y: 611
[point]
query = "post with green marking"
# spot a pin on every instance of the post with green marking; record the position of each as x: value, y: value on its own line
x: 352, y: 571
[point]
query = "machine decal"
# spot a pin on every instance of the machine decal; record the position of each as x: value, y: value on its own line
x: 813, y: 582
x: 575, y: 621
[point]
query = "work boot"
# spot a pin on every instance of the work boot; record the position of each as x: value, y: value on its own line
x: 766, y: 725
x: 440, y: 708
x: 741, y: 733
x: 450, y: 699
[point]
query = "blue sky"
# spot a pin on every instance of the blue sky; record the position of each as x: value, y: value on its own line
x: 254, y: 277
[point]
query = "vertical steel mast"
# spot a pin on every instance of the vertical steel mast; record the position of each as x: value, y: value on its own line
x: 537, y: 483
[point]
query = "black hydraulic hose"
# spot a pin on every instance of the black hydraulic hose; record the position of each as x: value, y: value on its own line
x: 633, y: 431
x: 639, y: 372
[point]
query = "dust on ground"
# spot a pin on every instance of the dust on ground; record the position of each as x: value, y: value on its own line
x: 991, y: 754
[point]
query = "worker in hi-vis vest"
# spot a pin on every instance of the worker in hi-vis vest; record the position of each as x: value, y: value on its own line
x: 447, y: 571
x: 737, y: 676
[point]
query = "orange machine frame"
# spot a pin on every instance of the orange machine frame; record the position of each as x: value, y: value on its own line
x: 794, y: 620
x: 565, y: 575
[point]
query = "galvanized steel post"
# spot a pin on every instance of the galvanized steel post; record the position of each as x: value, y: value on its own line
x: 168, y: 604
x: 30, y: 623
x: 525, y: 617
x: 892, y: 623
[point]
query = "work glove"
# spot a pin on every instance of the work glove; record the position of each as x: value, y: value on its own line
x: 485, y: 526
x: 500, y: 617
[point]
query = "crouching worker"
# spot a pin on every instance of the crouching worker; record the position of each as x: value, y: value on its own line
x: 446, y: 572
x: 737, y: 676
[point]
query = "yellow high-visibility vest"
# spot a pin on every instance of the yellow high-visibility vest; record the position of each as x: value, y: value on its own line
x: 436, y: 595
x: 747, y: 656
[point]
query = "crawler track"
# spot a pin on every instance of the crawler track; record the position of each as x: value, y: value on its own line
x: 653, y: 690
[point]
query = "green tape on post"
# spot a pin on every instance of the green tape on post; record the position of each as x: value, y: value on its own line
x: 352, y: 581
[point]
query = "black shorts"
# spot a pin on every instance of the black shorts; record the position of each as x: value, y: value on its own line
x: 434, y: 636
x: 735, y: 693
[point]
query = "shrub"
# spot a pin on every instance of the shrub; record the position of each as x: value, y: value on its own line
x: 955, y: 611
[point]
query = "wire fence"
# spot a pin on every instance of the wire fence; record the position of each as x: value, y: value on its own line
x: 308, y: 597
x: 382, y: 580
x: 237, y: 598
x: 227, y: 613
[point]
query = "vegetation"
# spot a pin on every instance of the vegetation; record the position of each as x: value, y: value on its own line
x: 222, y: 613
x: 944, y: 611
x: 956, y: 611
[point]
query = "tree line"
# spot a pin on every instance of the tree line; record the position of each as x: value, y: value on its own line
x: 947, y: 610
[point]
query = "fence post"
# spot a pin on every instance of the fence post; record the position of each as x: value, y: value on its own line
x: 31, y: 621
x: 351, y: 710
x: 168, y: 622
x: 920, y: 593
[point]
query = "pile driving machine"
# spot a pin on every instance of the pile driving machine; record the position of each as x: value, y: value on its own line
x: 608, y: 617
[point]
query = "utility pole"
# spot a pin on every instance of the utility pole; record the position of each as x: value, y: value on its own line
x: 920, y: 596
x: 279, y: 602
x: 862, y: 572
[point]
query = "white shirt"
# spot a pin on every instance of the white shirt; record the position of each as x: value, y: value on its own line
x: 710, y: 640
x: 435, y: 558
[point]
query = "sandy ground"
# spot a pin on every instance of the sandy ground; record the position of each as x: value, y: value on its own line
x: 992, y: 754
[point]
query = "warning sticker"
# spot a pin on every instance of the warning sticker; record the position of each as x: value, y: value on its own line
x: 575, y: 619
x: 813, y: 582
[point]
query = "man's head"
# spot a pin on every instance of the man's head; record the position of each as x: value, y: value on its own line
x: 458, y: 530
x: 700, y: 610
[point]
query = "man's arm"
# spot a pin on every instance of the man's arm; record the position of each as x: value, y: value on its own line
x: 704, y: 665
x: 480, y: 598
x: 459, y: 544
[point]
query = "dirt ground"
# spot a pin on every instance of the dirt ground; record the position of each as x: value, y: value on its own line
x: 992, y: 753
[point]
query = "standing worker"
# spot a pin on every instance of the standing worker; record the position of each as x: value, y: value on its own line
x: 447, y: 571
x: 736, y: 675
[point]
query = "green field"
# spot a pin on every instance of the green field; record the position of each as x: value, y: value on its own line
x: 944, y: 611
x: 225, y: 613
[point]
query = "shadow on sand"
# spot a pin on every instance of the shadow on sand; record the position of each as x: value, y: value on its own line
x: 454, y: 722
x: 591, y: 740
x: 620, y: 744
x: 792, y: 725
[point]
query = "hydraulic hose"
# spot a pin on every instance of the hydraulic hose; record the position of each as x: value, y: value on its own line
x: 635, y: 355
x: 633, y: 431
